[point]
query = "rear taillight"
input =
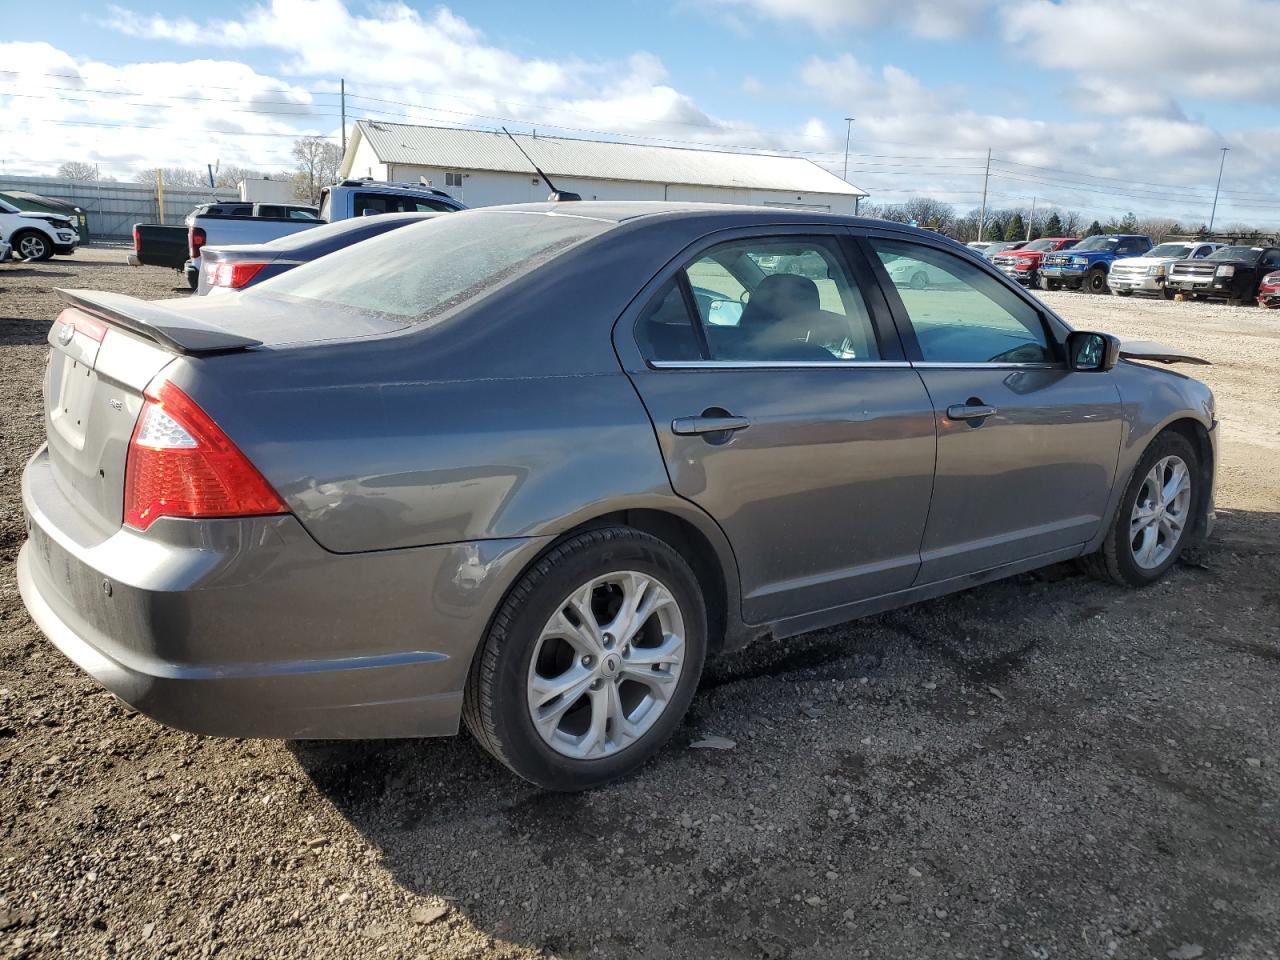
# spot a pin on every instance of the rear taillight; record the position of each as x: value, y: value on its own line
x: 137, y: 239
x: 181, y: 464
x: 91, y: 327
x: 195, y: 240
x: 233, y: 275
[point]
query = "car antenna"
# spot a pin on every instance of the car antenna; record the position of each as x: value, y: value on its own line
x: 555, y: 194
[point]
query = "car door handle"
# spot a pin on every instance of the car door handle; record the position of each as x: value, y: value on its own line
x: 969, y: 411
x: 692, y: 426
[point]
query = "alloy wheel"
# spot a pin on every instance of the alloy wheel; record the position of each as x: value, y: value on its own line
x: 32, y: 248
x: 1160, y: 513
x: 606, y: 664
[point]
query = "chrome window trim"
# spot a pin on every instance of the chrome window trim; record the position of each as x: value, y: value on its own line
x: 850, y: 364
x: 981, y: 365
x: 784, y: 364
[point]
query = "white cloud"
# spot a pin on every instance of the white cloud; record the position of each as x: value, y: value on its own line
x: 1223, y: 51
x: 935, y: 19
x: 148, y: 114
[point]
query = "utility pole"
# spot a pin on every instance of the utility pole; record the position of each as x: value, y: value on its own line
x: 848, y: 132
x: 1221, y: 164
x: 342, y: 86
x: 982, y: 217
x: 1033, y: 218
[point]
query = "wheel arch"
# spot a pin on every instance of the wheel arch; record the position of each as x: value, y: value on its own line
x: 706, y: 551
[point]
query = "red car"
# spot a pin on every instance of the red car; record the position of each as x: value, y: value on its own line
x: 1269, y: 291
x: 1023, y: 264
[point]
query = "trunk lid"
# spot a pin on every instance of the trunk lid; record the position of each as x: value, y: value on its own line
x: 107, y: 347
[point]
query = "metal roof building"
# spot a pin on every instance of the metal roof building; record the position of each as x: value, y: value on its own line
x: 481, y: 168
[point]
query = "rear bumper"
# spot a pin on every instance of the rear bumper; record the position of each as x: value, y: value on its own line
x: 248, y: 628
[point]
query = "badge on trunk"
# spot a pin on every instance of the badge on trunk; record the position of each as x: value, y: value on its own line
x: 66, y: 332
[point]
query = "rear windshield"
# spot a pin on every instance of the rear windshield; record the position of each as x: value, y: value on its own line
x: 430, y: 267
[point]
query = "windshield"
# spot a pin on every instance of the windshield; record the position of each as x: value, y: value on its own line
x: 1097, y: 243
x: 427, y: 268
x: 1235, y: 253
x: 1041, y: 245
x: 1179, y: 250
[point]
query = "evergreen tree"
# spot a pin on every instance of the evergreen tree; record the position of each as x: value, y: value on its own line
x: 1053, y: 226
x: 1017, y: 229
x: 1036, y: 232
x: 1203, y: 232
x: 1095, y: 228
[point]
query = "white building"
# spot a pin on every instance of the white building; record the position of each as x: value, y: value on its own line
x: 482, y: 168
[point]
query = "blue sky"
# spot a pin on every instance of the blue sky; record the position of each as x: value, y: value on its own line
x: 1092, y: 105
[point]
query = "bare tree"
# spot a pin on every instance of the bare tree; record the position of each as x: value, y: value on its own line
x: 78, y: 170
x: 173, y: 176
x: 929, y: 213
x: 318, y: 162
x: 1158, y: 229
x: 230, y: 175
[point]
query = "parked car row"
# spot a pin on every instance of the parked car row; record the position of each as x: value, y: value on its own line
x: 1127, y: 264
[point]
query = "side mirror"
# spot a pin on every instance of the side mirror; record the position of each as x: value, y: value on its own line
x: 1092, y: 352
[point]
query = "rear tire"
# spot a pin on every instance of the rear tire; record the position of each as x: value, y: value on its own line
x: 538, y: 644
x: 1122, y: 558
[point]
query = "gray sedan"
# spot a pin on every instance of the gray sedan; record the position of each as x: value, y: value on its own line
x: 529, y: 467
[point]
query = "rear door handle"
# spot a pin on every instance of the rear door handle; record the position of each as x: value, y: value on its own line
x: 969, y: 411
x: 692, y: 426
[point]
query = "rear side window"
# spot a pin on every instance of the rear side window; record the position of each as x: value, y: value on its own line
x: 959, y: 312
x: 765, y: 300
x: 391, y: 203
x: 427, y: 268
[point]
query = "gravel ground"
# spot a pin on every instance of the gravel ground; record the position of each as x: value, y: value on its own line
x: 1044, y: 767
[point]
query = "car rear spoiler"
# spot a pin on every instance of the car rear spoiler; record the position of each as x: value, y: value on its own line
x: 1158, y: 353
x: 166, y: 327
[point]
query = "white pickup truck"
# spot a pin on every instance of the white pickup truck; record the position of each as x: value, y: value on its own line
x: 34, y: 235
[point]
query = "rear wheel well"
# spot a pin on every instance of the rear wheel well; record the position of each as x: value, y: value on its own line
x: 690, y: 543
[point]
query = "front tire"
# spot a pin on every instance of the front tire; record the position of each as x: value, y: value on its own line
x: 1155, y: 515
x: 1047, y: 284
x: 30, y: 245
x: 1095, y: 281
x: 919, y: 280
x: 591, y: 661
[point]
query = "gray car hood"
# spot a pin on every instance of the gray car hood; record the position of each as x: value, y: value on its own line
x: 1157, y: 352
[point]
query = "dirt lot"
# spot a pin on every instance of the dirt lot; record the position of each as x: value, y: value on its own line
x: 1045, y: 767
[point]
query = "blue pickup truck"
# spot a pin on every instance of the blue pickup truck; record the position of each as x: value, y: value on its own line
x: 1085, y: 266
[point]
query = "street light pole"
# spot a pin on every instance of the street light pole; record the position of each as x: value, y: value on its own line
x: 848, y: 132
x: 1222, y: 163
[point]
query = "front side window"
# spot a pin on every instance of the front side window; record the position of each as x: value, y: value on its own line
x: 771, y: 299
x: 960, y: 313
